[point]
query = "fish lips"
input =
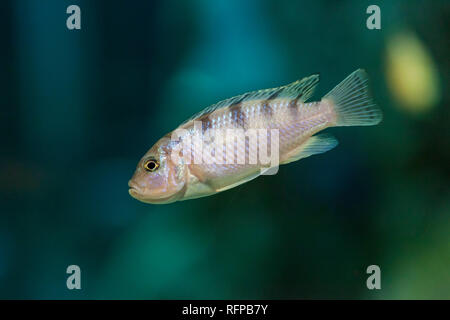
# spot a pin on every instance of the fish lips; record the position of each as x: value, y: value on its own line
x: 138, y: 193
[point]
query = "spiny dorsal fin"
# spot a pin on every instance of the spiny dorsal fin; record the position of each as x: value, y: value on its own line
x: 316, y: 144
x: 300, y: 89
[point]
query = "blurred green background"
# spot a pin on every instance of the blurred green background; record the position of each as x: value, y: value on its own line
x: 80, y: 107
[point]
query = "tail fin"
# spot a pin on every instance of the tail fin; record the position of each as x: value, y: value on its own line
x: 352, y: 101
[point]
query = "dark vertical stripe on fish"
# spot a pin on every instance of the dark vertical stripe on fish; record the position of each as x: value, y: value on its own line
x: 293, y: 107
x: 206, y: 122
x: 267, y: 110
x: 238, y: 116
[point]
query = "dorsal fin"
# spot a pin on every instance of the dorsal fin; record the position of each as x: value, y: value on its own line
x: 300, y: 89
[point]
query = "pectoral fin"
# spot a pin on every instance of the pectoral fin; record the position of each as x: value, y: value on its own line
x: 244, y: 180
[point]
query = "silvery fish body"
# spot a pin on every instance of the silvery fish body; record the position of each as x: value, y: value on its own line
x: 240, y: 138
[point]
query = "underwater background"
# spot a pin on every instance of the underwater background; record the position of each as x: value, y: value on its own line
x: 80, y: 107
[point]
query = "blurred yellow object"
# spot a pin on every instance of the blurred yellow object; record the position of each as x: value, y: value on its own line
x: 412, y: 76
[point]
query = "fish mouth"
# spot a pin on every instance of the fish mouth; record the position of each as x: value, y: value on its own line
x: 134, y: 190
x: 138, y: 193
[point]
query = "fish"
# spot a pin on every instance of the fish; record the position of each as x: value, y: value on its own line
x: 239, y: 133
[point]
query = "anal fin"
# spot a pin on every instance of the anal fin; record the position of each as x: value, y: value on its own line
x: 316, y: 144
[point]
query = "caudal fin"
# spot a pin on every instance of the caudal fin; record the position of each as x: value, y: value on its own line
x: 352, y: 101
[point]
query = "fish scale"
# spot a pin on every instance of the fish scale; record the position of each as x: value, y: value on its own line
x: 309, y: 119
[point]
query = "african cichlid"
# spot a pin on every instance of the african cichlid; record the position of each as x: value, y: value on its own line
x: 160, y: 179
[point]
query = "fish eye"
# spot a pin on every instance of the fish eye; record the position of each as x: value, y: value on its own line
x: 151, y: 165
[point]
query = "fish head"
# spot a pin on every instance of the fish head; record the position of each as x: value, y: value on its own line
x: 158, y: 178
